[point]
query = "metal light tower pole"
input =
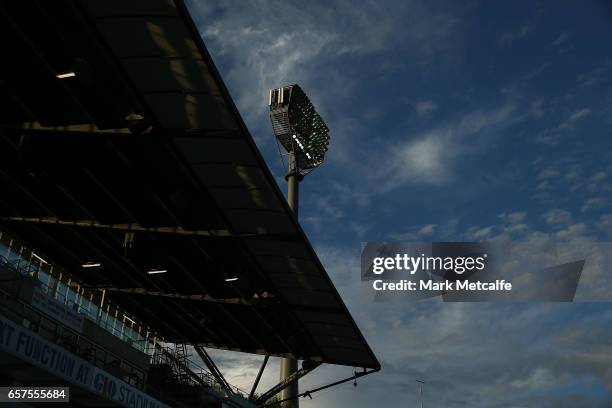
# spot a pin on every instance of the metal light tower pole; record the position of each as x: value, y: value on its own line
x: 289, y: 366
x: 293, y: 178
x: 304, y: 136
x: 421, y: 383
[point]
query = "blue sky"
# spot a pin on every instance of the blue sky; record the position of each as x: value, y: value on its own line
x: 449, y: 121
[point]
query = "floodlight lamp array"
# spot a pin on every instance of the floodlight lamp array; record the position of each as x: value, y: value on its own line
x: 298, y: 127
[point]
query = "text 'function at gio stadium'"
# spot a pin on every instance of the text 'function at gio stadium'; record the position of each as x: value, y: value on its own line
x: 139, y: 224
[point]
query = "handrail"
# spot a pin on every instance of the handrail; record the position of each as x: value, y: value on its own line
x: 65, y: 328
x: 102, y: 307
x: 203, y: 377
x: 196, y: 372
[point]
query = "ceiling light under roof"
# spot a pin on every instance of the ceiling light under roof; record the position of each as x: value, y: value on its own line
x: 231, y: 279
x: 157, y: 271
x: 39, y: 258
x: 65, y: 75
x: 91, y: 265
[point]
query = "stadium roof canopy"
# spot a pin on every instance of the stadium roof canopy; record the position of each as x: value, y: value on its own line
x: 114, y: 120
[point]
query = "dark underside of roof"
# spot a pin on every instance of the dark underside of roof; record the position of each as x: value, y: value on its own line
x: 141, y: 136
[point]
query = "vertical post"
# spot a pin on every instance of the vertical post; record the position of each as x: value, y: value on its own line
x: 293, y: 187
x: 421, y: 395
x: 100, y: 310
x: 289, y: 366
x: 421, y: 383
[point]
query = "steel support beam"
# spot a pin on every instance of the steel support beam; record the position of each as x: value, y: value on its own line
x: 309, y: 392
x: 288, y: 381
x: 133, y: 227
x: 200, y: 297
x: 213, y: 368
x: 256, y: 383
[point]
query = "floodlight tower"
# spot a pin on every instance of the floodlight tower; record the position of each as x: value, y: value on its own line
x: 304, y: 136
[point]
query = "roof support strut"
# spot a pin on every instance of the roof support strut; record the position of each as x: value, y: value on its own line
x: 133, y: 227
x: 307, y: 367
x: 122, y: 227
x: 256, y: 383
x: 309, y: 392
x: 201, y: 297
x: 212, y: 367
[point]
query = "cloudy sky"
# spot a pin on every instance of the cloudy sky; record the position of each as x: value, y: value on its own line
x: 449, y: 121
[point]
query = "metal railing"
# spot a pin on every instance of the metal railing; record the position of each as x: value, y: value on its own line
x: 61, y: 287
x: 72, y: 293
x: 197, y: 375
x: 60, y: 334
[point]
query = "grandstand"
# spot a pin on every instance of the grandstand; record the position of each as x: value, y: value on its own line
x: 139, y: 224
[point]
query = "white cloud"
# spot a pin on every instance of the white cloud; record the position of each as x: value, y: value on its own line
x: 557, y: 217
x: 427, y: 229
x: 509, y: 37
x: 571, y: 232
x: 574, y: 174
x: 349, y: 195
x: 513, y: 217
x: 360, y: 229
x: 544, y: 185
x: 563, y: 37
x: 571, y: 121
x: 315, y: 220
x: 552, y: 136
x: 423, y: 160
x: 425, y: 107
x: 594, y: 203
x: 404, y: 236
x: 537, y: 109
x: 596, y: 75
x: 431, y: 157
x: 605, y: 223
x: 548, y: 173
x: 597, y: 177
x: 538, y: 379
x: 478, y: 234
x: 327, y: 207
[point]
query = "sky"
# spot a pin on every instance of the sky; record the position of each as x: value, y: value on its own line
x: 449, y: 121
